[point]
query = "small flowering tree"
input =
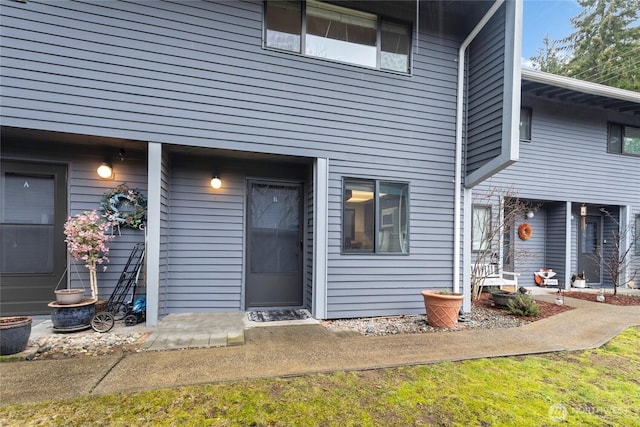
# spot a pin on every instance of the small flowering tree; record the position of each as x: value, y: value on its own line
x: 87, y: 241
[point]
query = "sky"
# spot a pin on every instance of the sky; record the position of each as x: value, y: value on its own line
x: 542, y: 17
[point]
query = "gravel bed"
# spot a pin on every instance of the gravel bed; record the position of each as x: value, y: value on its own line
x: 479, y: 318
x: 94, y: 344
x: 87, y: 344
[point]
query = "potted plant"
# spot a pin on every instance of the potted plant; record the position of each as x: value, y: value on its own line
x: 501, y: 298
x: 87, y: 241
x: 579, y: 280
x: 14, y: 334
x: 442, y: 308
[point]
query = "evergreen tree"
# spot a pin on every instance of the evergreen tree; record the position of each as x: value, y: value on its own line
x: 605, y: 47
x: 549, y: 58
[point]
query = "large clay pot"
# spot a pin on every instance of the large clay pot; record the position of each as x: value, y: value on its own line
x: 442, y: 308
x: 72, y: 317
x: 14, y: 334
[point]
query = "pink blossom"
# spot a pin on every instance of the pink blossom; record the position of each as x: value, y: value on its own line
x: 86, y: 238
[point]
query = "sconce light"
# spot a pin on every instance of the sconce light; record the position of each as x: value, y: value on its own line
x: 530, y: 214
x: 583, y: 210
x: 216, y: 182
x: 105, y: 171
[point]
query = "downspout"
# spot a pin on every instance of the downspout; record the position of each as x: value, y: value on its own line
x: 459, y: 145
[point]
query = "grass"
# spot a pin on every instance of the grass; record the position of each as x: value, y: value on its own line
x: 592, y: 388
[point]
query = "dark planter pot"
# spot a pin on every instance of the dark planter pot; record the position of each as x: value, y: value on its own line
x: 502, y: 298
x: 14, y: 334
x: 72, y: 317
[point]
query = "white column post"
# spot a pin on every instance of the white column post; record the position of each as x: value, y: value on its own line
x: 466, y: 249
x: 154, y: 182
x: 567, y: 247
x: 320, y: 236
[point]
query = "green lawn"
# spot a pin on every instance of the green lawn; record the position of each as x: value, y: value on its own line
x: 592, y: 388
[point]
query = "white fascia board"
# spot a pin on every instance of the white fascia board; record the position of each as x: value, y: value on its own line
x: 580, y: 85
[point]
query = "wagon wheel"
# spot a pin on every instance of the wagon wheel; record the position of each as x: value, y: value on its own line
x: 131, y: 320
x: 120, y: 310
x: 102, y: 322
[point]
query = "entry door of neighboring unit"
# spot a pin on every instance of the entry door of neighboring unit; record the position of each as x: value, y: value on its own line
x: 588, y: 247
x: 274, y: 244
x: 33, y: 207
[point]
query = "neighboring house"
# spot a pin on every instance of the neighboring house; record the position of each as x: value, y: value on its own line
x: 579, y: 167
x: 338, y: 130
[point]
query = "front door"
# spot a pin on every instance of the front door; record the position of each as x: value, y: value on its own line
x: 33, y: 207
x: 274, y: 244
x: 589, y: 247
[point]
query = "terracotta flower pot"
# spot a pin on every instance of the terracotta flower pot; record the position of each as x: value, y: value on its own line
x: 14, y: 334
x: 442, y: 309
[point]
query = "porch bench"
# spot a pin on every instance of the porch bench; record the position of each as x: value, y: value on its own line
x: 495, y: 276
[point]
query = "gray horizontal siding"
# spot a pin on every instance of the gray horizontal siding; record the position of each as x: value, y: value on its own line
x: 567, y: 158
x: 85, y: 192
x: 485, y: 89
x: 567, y: 161
x: 309, y: 244
x: 555, y: 240
x: 156, y: 71
x: 165, y: 220
x: 384, y: 284
x: 205, y: 239
x: 195, y: 74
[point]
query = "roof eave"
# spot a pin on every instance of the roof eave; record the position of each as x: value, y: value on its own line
x: 580, y: 85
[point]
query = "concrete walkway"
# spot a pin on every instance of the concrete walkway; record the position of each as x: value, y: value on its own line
x: 285, y: 350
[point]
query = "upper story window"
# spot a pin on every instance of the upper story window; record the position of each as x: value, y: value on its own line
x: 624, y: 139
x: 337, y: 33
x: 525, y: 124
x: 375, y: 216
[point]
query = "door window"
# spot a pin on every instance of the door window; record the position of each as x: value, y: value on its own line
x: 275, y: 225
x: 27, y: 223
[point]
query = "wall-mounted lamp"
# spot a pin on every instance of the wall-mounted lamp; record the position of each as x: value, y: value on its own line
x: 105, y: 171
x: 216, y: 182
x: 530, y: 214
x: 583, y: 210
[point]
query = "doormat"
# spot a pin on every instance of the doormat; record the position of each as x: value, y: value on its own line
x: 276, y: 315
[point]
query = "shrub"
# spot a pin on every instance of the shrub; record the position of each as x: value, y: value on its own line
x: 523, y: 305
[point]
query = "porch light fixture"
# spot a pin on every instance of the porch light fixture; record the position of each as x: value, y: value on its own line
x: 583, y: 210
x: 216, y: 182
x: 105, y: 171
x: 530, y: 214
x: 583, y: 216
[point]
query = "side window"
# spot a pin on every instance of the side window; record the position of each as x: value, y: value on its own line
x: 623, y: 139
x: 481, y: 224
x: 375, y: 216
x: 525, y: 124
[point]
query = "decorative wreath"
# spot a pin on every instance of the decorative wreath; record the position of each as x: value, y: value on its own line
x: 525, y: 231
x: 124, y: 207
